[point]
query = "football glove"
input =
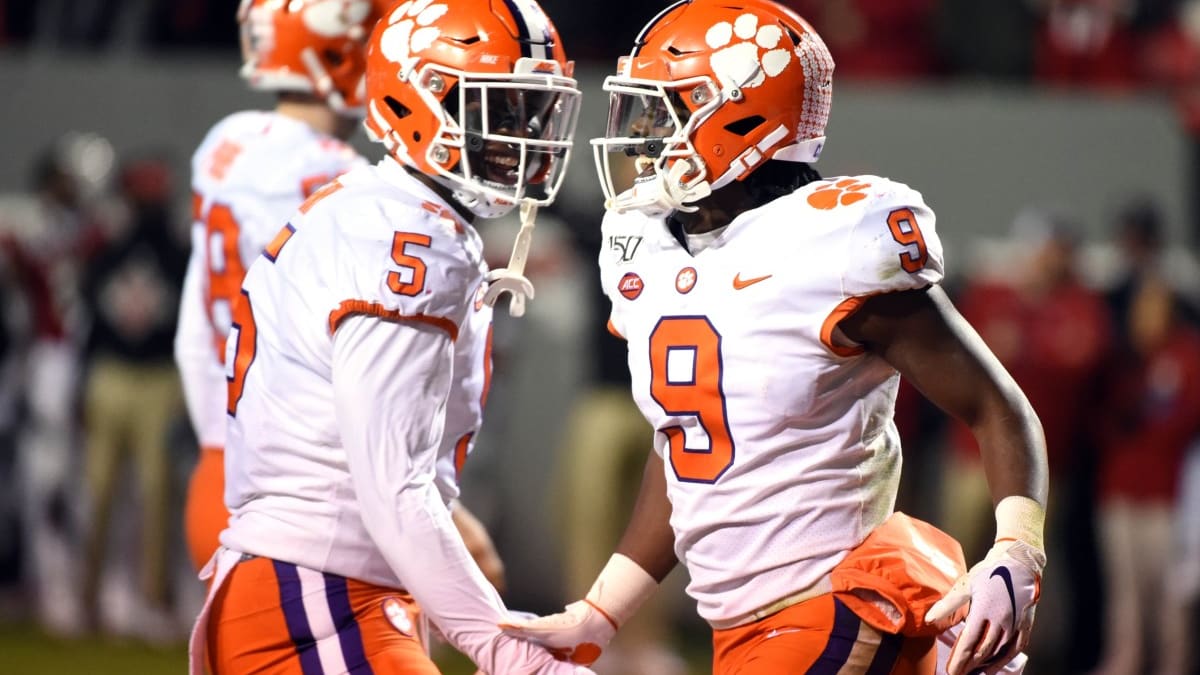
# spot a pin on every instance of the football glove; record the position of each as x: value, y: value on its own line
x: 584, y: 628
x: 1002, y: 589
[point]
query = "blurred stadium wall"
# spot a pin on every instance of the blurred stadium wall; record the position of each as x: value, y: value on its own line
x: 979, y: 153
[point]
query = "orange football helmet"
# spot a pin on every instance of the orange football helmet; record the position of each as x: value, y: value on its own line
x: 478, y: 95
x: 711, y: 89
x: 311, y: 46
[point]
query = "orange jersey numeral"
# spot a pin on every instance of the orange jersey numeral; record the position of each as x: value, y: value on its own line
x: 401, y: 257
x: 223, y: 260
x: 696, y: 393
x: 222, y: 158
x: 906, y: 232
x: 245, y: 333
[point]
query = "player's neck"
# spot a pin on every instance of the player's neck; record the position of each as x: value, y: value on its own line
x: 444, y: 192
x: 715, y: 211
x: 318, y: 116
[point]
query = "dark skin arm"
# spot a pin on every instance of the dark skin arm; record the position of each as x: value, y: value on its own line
x: 922, y: 335
x: 648, y: 539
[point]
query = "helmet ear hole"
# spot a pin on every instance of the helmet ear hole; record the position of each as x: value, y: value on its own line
x: 745, y: 125
x: 334, y: 58
x: 398, y: 109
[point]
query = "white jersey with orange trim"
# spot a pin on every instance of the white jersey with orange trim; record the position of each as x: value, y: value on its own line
x: 358, y: 366
x: 248, y: 176
x: 780, y: 450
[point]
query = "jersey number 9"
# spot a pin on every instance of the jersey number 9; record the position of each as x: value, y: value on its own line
x: 686, y: 380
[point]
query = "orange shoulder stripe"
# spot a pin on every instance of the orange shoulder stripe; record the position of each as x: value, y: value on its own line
x: 843, y: 310
x: 351, y: 307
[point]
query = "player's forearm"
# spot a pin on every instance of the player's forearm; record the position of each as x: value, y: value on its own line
x: 1013, y: 448
x: 648, y: 539
x: 417, y: 537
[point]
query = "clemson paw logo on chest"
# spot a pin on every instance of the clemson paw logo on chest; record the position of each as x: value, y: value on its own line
x: 746, y: 54
x: 842, y: 193
x: 409, y: 32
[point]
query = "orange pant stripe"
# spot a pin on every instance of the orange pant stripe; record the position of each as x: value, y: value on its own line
x: 275, y: 617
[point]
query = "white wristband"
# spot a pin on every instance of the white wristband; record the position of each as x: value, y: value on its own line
x: 1021, y: 519
x: 621, y: 589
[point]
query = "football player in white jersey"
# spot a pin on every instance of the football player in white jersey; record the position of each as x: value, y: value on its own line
x: 250, y: 173
x: 359, y: 359
x: 248, y: 176
x: 769, y: 314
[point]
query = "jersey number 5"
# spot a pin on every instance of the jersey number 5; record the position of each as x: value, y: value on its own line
x: 400, y: 255
x: 686, y: 380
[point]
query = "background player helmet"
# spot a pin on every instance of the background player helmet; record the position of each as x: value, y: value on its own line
x: 477, y: 94
x: 711, y: 89
x: 309, y: 46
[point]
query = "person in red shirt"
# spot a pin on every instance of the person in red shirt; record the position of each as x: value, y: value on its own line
x: 1150, y: 416
x: 1087, y: 43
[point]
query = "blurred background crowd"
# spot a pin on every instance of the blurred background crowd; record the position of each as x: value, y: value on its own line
x: 1058, y: 141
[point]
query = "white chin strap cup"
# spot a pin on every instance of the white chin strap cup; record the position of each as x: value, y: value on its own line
x: 512, y: 279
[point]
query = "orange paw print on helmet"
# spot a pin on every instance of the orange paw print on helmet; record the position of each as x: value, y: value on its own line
x: 844, y: 193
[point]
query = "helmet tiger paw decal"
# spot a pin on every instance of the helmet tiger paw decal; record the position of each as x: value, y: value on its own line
x: 409, y: 32
x: 844, y: 192
x: 743, y: 64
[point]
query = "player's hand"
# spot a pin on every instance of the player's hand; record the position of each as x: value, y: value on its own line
x: 578, y: 634
x: 1003, y: 591
x: 519, y: 656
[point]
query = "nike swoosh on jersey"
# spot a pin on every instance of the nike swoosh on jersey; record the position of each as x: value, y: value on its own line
x: 739, y: 283
x: 1006, y: 577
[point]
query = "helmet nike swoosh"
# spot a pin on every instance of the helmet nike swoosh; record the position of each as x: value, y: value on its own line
x: 1006, y: 577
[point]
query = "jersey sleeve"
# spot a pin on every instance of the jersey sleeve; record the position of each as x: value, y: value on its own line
x: 391, y: 381
x: 407, y: 264
x: 894, y: 246
x: 195, y: 350
x: 891, y: 245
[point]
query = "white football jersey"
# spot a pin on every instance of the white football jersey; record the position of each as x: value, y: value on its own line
x: 357, y: 368
x: 780, y: 450
x: 378, y: 244
x: 249, y: 175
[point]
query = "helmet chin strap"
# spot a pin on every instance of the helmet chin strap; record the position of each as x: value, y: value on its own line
x: 482, y: 205
x: 512, y: 279
x: 670, y: 191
